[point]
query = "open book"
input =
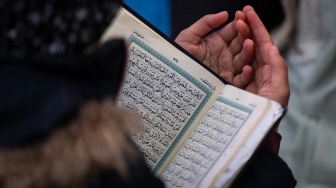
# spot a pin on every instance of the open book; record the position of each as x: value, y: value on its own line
x: 197, y: 131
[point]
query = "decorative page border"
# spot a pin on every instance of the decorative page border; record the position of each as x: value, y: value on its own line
x: 237, y: 106
x: 208, y: 94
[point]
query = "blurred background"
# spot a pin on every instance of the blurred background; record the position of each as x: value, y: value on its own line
x: 171, y: 16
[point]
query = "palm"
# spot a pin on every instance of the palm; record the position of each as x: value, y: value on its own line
x: 225, y: 51
x: 269, y: 68
x: 218, y: 56
x: 270, y: 78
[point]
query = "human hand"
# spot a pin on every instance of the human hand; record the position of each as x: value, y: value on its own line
x: 228, y: 51
x: 269, y: 68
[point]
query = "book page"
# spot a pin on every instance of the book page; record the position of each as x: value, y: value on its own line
x: 165, y: 87
x: 216, y: 140
x: 245, y: 153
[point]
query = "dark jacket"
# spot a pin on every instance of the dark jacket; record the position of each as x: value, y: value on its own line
x: 46, y: 103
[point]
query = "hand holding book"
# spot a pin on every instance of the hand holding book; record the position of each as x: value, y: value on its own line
x: 197, y: 129
x: 230, y: 53
x: 269, y: 67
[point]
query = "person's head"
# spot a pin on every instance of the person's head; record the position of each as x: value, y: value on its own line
x: 56, y: 128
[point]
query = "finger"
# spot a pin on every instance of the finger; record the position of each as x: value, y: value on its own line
x: 258, y: 29
x: 245, y: 57
x: 247, y: 8
x: 204, y: 25
x: 252, y: 86
x: 243, y: 30
x: 239, y: 15
x: 261, y: 37
x: 279, y: 76
x: 243, y: 79
x: 229, y: 32
x: 227, y: 76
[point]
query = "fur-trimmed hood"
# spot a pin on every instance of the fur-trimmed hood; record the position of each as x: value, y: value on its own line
x: 74, y: 154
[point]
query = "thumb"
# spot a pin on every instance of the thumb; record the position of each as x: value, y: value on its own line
x: 201, y: 27
x: 279, y: 76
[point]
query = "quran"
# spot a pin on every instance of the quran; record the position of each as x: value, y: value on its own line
x: 196, y: 130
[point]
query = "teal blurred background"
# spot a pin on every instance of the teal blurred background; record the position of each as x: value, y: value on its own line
x: 157, y: 12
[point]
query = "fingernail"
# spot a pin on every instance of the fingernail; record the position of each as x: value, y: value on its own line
x: 275, y: 49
